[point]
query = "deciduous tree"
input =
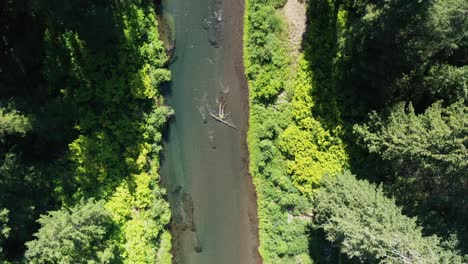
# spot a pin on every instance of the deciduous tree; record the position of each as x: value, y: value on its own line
x: 80, y: 234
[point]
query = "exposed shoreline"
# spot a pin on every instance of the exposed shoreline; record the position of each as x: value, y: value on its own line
x: 233, y: 33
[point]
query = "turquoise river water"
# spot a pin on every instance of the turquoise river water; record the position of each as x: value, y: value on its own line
x: 204, y: 166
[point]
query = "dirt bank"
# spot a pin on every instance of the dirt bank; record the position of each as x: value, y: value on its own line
x: 233, y: 30
x: 294, y: 12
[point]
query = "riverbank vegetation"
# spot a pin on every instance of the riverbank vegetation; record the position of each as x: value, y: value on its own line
x: 80, y: 129
x: 379, y: 89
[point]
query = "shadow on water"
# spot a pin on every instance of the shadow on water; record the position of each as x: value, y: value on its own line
x: 166, y: 91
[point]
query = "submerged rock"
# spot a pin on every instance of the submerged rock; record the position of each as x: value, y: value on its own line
x: 211, y: 139
x: 188, y: 209
x: 212, y: 40
x: 177, y: 189
x: 212, y: 25
x: 206, y: 24
x: 198, y: 247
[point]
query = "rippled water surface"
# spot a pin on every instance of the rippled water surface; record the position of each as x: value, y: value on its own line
x: 204, y: 164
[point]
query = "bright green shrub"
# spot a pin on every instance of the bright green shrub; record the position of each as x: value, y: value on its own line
x: 113, y: 81
x: 310, y: 149
x: 164, y: 255
x: 4, y: 229
x: 13, y: 122
x: 280, y: 204
x: 139, y: 208
x: 264, y: 52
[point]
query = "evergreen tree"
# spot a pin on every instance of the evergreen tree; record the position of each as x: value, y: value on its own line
x: 393, y: 45
x: 426, y: 157
x: 370, y: 228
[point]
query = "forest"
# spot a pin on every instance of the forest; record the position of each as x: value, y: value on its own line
x: 81, y: 117
x: 358, y: 143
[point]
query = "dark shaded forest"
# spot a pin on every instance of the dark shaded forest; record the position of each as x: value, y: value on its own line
x: 403, y: 79
x: 80, y: 128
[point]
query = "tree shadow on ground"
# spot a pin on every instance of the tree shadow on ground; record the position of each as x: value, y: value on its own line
x: 319, y: 46
x: 322, y: 251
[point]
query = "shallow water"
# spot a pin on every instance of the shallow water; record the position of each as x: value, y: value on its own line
x: 204, y: 164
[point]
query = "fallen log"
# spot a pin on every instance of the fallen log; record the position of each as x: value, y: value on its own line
x: 222, y: 121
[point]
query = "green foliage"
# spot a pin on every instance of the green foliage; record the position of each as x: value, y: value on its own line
x: 93, y: 113
x: 411, y: 51
x: 392, y: 45
x: 145, y: 83
x: 4, y: 229
x: 264, y: 52
x: 138, y: 206
x: 281, y: 207
x: 112, y: 88
x: 25, y: 191
x: 120, y: 129
x: 80, y: 234
x: 446, y: 81
x: 311, y: 149
x: 357, y: 55
x: 164, y: 255
x: 426, y: 156
x: 12, y: 122
x: 370, y: 228
x: 282, y: 231
x: 366, y: 55
x: 266, y: 61
x: 293, y: 138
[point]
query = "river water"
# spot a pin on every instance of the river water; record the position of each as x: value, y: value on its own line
x: 205, y: 163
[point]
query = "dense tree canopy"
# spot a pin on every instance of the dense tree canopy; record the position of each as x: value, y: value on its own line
x: 311, y: 148
x: 81, y: 116
x: 393, y: 46
x: 379, y: 87
x: 426, y: 157
x: 370, y: 228
x: 80, y: 234
x: 406, y: 61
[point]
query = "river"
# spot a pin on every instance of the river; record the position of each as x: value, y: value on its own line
x: 204, y: 165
